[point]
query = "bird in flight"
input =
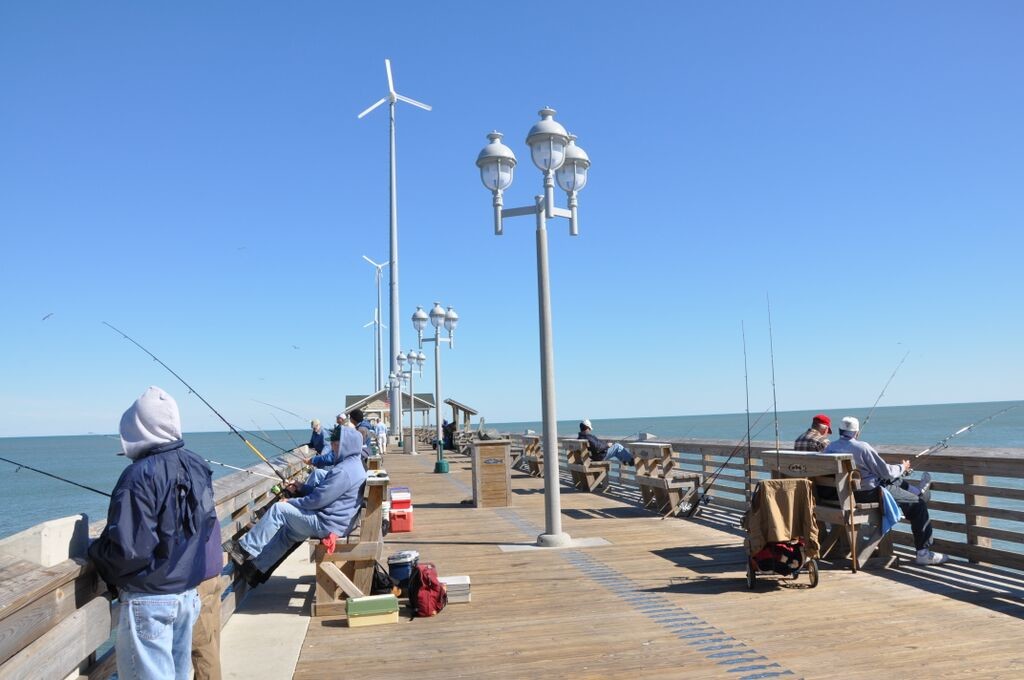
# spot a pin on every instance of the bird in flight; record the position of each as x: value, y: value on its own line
x: 47, y: 316
x: 295, y: 347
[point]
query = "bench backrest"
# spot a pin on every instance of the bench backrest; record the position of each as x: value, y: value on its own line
x: 653, y: 459
x: 577, y: 451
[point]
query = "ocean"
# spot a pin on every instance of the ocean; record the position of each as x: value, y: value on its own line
x: 30, y: 498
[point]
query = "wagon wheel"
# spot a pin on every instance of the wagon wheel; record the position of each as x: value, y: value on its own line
x: 751, y: 576
x: 812, y: 572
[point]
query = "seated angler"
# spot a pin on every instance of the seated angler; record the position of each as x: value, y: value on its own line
x: 328, y: 458
x: 602, y: 450
x: 325, y: 504
x: 316, y: 438
x: 875, y: 472
x: 816, y: 437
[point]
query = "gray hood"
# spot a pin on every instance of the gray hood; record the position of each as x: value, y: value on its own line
x: 151, y: 421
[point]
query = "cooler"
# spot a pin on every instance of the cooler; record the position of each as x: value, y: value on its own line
x: 401, y: 498
x: 401, y: 520
x: 400, y: 566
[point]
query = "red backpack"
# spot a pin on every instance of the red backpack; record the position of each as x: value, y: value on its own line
x: 427, y: 595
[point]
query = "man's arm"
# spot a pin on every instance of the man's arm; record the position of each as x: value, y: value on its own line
x: 129, y: 539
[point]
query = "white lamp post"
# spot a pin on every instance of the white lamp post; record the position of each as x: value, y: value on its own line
x: 414, y: 360
x: 449, y: 319
x: 555, y: 153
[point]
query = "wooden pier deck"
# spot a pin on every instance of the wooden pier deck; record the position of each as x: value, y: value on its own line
x: 661, y: 599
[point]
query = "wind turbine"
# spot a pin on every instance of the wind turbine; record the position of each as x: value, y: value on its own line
x: 392, y: 98
x: 378, y: 377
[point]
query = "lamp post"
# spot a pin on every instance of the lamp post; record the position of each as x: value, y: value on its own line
x: 449, y: 319
x: 415, y: 361
x: 555, y: 154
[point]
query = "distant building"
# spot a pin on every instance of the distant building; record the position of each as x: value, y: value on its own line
x: 378, y: 406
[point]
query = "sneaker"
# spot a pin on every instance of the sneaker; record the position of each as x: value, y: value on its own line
x: 926, y: 486
x: 927, y: 557
x: 235, y: 551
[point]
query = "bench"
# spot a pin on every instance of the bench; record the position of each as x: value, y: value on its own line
x: 348, y: 571
x: 587, y: 474
x: 661, y: 485
x: 533, y: 455
x: 857, y: 525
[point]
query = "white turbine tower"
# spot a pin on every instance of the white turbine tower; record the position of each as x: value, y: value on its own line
x: 395, y: 393
x: 378, y: 376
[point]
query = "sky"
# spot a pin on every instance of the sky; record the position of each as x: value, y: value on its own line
x: 195, y: 174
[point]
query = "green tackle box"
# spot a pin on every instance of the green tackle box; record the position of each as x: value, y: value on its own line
x: 371, y: 605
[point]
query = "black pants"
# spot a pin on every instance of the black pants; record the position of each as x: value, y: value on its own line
x: 912, y: 506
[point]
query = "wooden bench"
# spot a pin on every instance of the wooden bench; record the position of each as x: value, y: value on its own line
x: 587, y: 474
x: 661, y: 485
x: 348, y: 571
x: 855, y: 525
x: 533, y: 455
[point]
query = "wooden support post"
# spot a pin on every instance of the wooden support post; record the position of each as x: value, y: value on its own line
x: 973, y: 520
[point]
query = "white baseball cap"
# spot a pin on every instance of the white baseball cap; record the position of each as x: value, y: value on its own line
x: 850, y: 424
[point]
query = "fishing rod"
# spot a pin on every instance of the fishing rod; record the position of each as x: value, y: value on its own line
x: 882, y: 393
x: 944, y: 443
x: 746, y: 390
x: 268, y: 437
x: 291, y: 413
x: 290, y: 452
x: 48, y: 474
x: 709, y: 482
x: 775, y: 404
x: 232, y: 467
x: 210, y: 406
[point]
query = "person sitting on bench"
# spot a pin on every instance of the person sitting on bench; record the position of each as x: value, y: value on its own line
x: 816, y: 437
x: 325, y: 504
x: 875, y: 472
x: 602, y: 450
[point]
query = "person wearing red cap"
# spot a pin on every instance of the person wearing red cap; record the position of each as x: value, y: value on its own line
x: 816, y: 437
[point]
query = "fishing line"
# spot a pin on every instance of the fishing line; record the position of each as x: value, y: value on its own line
x: 882, y: 393
x: 944, y: 443
x: 48, y: 474
x: 210, y: 406
x: 292, y: 413
x: 232, y: 467
x: 285, y: 430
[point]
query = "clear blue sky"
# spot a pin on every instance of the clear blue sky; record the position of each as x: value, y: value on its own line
x: 195, y: 174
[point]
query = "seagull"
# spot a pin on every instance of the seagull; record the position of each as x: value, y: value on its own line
x: 47, y: 316
x: 295, y: 347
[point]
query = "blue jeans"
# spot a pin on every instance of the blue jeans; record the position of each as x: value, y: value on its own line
x: 283, y: 526
x: 619, y: 453
x: 154, y: 635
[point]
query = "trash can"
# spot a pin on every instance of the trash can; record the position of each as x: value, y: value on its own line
x: 492, y: 476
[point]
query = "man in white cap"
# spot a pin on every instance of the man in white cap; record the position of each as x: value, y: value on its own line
x: 602, y: 450
x: 152, y: 552
x: 875, y: 472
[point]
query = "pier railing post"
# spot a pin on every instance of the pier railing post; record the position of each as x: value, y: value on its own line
x: 974, y: 521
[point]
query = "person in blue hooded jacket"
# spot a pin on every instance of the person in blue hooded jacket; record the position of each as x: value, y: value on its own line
x: 325, y: 504
x: 152, y: 551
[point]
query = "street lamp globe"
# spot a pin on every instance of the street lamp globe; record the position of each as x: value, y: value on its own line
x: 572, y: 176
x: 419, y: 319
x: 401, y: 359
x: 420, y: 359
x: 496, y: 162
x: 547, y: 140
x: 451, y: 320
x: 437, y: 315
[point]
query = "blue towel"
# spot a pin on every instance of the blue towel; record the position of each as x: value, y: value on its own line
x: 891, y: 513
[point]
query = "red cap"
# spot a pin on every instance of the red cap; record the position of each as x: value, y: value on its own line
x: 822, y: 418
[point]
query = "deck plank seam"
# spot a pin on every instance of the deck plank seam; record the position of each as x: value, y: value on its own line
x: 685, y: 625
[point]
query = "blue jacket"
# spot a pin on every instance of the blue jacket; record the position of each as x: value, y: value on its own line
x: 316, y: 441
x: 338, y: 497
x: 159, y: 523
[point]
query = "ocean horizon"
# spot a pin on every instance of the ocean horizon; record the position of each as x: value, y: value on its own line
x: 92, y: 459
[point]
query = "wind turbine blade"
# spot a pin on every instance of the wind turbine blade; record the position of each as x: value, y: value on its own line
x: 379, y: 102
x: 391, y: 83
x: 372, y: 323
x: 375, y: 264
x: 426, y: 107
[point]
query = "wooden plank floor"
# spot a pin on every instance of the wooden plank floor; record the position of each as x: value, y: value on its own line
x: 665, y: 599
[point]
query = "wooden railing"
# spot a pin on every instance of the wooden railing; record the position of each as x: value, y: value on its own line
x: 55, y: 620
x: 977, y: 502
